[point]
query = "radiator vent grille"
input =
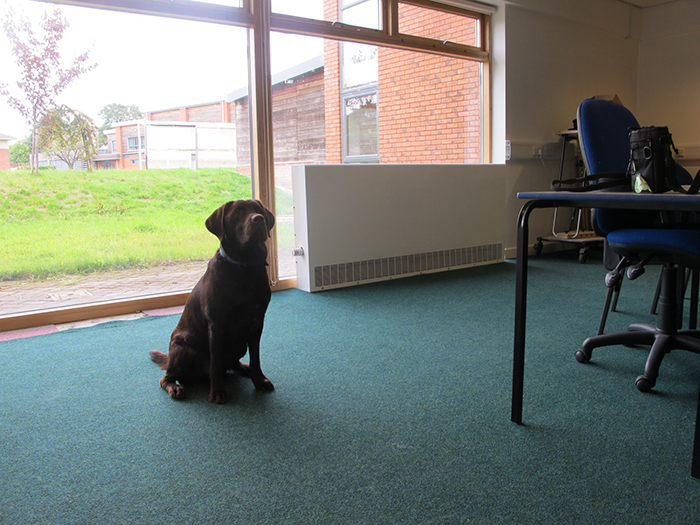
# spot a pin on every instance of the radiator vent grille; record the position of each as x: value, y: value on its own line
x: 403, y: 265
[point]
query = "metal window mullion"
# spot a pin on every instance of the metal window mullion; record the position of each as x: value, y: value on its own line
x: 390, y: 17
x: 260, y: 107
x: 363, y: 35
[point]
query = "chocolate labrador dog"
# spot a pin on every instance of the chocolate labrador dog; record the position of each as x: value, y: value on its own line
x: 223, y: 316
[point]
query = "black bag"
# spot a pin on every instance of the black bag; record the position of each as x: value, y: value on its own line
x: 651, y: 166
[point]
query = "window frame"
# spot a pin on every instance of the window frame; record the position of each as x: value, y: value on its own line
x: 256, y: 16
x: 137, y: 140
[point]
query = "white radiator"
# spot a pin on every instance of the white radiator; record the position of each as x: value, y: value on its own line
x: 364, y: 223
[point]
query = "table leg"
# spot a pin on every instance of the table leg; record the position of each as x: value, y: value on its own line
x: 520, y: 312
x: 521, y: 307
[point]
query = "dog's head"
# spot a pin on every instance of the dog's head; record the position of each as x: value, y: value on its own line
x: 242, y: 225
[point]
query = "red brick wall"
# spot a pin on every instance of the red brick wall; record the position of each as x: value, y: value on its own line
x: 429, y: 106
x: 435, y: 24
x: 4, y: 159
x: 331, y: 94
x: 170, y: 115
x: 122, y: 136
x: 208, y: 113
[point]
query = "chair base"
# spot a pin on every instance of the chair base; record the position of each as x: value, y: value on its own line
x: 662, y: 338
x: 639, y: 334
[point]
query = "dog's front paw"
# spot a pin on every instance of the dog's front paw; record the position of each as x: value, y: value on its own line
x: 218, y: 397
x: 177, y: 392
x: 174, y: 390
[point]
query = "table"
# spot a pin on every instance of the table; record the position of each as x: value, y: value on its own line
x: 594, y: 199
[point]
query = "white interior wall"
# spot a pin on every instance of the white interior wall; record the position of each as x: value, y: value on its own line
x: 668, y: 75
x: 558, y: 54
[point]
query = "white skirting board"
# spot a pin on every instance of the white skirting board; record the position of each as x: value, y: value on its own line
x: 365, y: 223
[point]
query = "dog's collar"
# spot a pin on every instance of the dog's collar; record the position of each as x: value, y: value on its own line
x: 228, y: 259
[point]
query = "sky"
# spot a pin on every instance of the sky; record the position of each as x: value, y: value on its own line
x: 151, y: 62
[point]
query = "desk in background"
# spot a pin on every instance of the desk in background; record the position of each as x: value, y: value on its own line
x: 582, y: 235
x: 593, y: 199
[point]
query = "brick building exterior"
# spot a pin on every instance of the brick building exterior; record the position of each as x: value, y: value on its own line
x: 428, y: 107
x: 5, y: 151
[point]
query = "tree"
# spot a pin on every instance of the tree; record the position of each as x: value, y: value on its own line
x: 112, y: 113
x: 68, y: 134
x: 19, y: 152
x: 43, y: 78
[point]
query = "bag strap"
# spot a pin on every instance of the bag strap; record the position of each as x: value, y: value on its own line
x: 673, y: 180
x: 694, y: 186
x: 619, y: 179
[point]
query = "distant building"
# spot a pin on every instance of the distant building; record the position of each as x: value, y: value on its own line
x: 5, y: 151
x: 142, y: 144
x: 352, y: 104
x: 216, y: 134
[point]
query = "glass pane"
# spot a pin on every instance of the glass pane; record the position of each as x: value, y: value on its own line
x: 298, y: 113
x: 361, y: 125
x: 439, y: 25
x: 169, y: 115
x: 430, y: 108
x: 363, y: 13
x: 360, y: 64
x: 307, y: 9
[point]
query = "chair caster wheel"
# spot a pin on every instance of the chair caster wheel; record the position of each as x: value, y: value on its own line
x: 644, y: 384
x: 582, y: 357
x: 538, y: 248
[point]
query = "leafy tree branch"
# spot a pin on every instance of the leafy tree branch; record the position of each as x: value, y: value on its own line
x: 42, y: 75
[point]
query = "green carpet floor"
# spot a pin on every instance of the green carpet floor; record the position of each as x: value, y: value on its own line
x: 392, y: 405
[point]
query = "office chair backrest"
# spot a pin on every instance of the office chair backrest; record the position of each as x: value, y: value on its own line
x: 603, y: 133
x: 604, y: 139
x: 603, y: 128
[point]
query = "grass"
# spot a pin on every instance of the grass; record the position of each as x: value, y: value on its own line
x: 62, y: 222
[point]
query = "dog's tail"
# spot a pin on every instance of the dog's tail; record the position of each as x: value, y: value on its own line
x: 159, y: 358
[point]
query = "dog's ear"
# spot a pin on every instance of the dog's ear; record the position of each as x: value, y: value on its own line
x: 269, y: 217
x: 215, y: 222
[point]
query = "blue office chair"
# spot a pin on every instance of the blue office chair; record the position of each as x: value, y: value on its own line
x: 638, y: 238
x: 607, y: 151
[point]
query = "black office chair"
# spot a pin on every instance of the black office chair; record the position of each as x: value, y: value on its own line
x: 639, y: 239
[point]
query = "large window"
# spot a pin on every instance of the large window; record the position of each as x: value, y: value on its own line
x: 68, y: 225
x: 389, y: 81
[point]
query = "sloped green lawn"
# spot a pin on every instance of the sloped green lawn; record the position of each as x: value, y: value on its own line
x: 77, y: 221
